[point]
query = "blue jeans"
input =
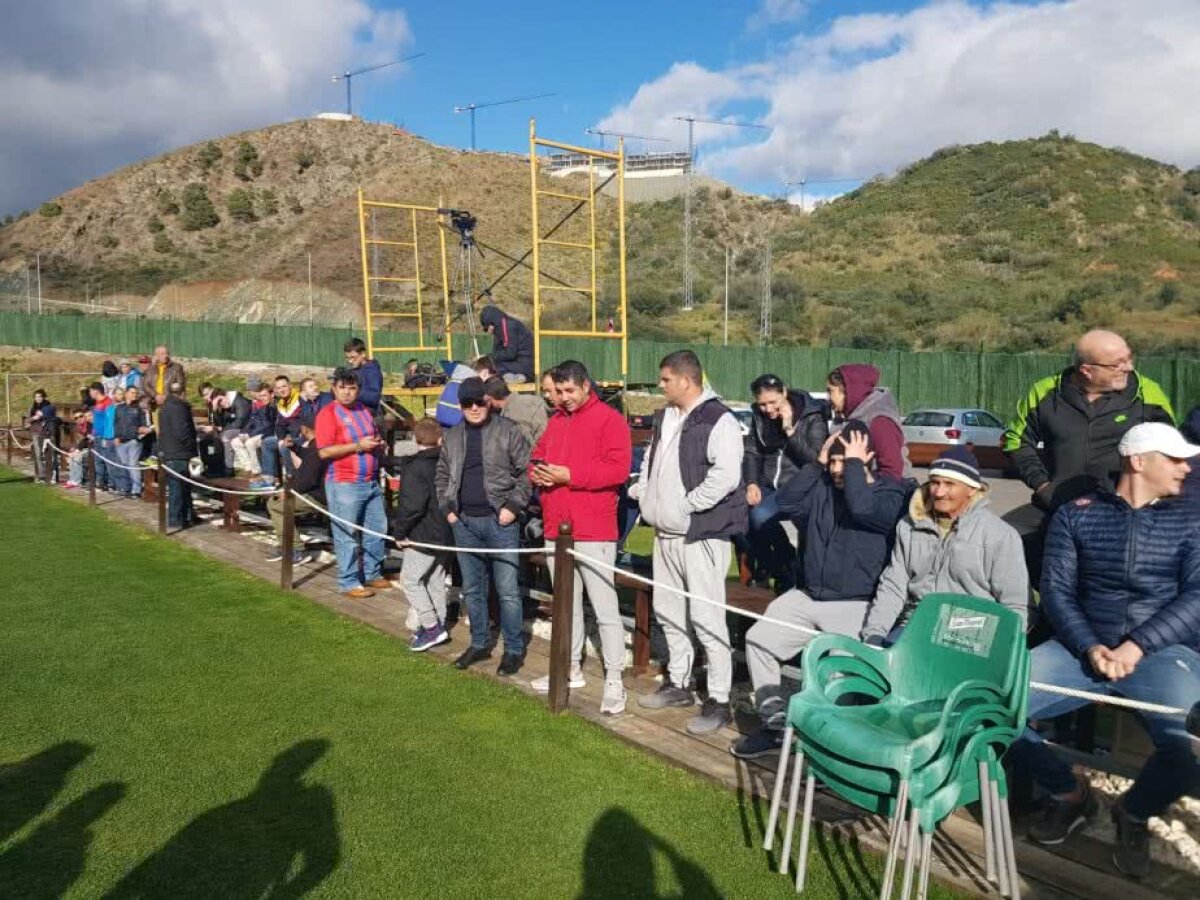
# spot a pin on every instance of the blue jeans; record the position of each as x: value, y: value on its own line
x: 105, y: 476
x: 1170, y: 677
x: 771, y: 553
x: 487, y: 532
x: 128, y: 454
x: 179, y: 495
x: 273, y: 455
x: 362, y: 504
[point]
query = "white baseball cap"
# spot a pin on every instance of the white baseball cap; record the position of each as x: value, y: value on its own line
x: 1156, y: 437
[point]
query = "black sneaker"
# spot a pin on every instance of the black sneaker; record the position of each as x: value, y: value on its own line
x: 1059, y: 818
x: 1131, y: 855
x: 472, y: 655
x: 713, y: 716
x: 763, y: 742
x: 667, y: 695
x: 510, y: 664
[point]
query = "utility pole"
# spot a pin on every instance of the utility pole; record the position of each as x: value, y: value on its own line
x: 39, y: 282
x: 28, y: 296
x: 726, y: 297
x: 348, y: 76
x: 764, y: 324
x: 310, y: 294
x: 688, y: 298
x: 471, y: 107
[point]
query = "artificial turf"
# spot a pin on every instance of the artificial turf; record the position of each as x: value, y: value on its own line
x: 173, y: 727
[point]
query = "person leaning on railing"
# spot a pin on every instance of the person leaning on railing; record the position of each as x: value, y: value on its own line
x: 1121, y: 586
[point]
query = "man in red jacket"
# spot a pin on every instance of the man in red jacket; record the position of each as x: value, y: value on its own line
x: 580, y: 465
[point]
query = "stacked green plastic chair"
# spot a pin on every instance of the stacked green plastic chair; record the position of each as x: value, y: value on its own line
x: 932, y: 716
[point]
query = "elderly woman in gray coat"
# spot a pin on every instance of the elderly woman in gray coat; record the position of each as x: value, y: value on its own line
x: 948, y: 543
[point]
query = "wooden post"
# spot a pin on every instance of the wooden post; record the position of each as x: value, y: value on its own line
x: 91, y: 476
x: 560, y: 623
x: 48, y: 461
x: 8, y: 442
x: 161, y: 480
x: 288, y: 537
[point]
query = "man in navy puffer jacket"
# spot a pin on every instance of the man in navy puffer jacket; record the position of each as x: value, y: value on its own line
x: 1121, y: 585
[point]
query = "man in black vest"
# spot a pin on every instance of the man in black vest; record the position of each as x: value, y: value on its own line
x: 691, y: 492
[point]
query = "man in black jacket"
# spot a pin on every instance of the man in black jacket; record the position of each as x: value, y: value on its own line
x: 418, y: 517
x: 512, y: 344
x: 176, y: 447
x: 787, y: 432
x: 848, y: 518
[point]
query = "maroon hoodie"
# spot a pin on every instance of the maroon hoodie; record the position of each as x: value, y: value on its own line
x: 876, y: 408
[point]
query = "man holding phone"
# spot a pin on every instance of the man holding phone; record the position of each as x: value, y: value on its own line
x: 350, y: 444
x: 483, y: 487
x: 581, y: 463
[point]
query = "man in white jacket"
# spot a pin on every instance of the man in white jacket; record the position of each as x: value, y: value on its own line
x: 691, y: 492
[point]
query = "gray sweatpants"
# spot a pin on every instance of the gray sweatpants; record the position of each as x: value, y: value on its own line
x: 768, y: 645
x: 699, y: 568
x: 602, y: 592
x: 423, y: 574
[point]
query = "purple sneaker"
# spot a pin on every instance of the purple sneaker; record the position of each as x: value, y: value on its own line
x: 428, y: 637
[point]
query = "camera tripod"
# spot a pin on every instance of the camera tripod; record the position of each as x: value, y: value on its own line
x: 467, y: 281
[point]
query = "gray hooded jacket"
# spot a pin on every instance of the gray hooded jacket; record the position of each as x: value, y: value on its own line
x: 980, y: 556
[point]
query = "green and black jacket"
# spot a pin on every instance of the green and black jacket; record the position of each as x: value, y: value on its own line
x: 1059, y: 437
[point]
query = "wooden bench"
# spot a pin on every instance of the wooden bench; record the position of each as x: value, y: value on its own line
x: 739, y: 596
x: 231, y: 504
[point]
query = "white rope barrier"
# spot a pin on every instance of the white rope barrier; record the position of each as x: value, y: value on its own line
x: 416, y: 544
x: 12, y: 436
x: 1036, y: 685
x: 1089, y: 696
x: 201, y: 484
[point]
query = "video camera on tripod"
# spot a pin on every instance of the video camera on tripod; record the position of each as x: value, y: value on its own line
x: 461, y: 221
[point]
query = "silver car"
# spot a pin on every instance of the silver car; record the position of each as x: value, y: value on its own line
x: 930, y: 431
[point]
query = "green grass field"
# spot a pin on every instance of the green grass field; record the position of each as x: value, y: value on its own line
x: 172, y: 727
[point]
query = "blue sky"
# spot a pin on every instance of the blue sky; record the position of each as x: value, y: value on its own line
x: 849, y: 89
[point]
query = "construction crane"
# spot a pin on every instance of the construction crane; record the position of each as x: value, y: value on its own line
x: 471, y: 107
x: 622, y: 134
x: 787, y: 185
x: 349, y: 76
x: 688, y: 300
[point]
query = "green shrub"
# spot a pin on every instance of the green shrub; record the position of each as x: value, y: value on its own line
x: 246, y: 164
x: 154, y: 225
x: 268, y: 203
x: 165, y: 203
x: 240, y: 204
x: 162, y: 243
x: 209, y: 155
x: 50, y: 210
x: 198, y: 211
x: 306, y: 158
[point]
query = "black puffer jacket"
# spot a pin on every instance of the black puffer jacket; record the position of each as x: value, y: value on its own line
x: 418, y: 516
x: 1112, y: 572
x: 771, y: 457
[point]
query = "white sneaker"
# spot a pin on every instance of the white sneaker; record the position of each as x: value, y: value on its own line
x: 613, y: 701
x: 542, y: 685
x: 411, y: 622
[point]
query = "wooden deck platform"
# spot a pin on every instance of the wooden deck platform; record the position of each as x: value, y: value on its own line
x: 1080, y: 868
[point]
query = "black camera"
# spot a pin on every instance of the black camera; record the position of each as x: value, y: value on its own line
x: 461, y: 221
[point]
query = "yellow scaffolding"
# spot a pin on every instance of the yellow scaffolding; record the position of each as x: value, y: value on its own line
x: 370, y: 278
x: 538, y: 242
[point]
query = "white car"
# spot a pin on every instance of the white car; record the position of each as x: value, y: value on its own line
x: 930, y: 431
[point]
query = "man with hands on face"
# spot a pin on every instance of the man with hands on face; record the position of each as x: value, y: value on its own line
x: 1121, y: 586
x: 581, y: 463
x: 348, y: 440
x: 482, y: 485
x: 847, y: 517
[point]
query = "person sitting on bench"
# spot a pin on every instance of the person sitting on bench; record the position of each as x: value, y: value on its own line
x: 1121, y: 586
x: 512, y: 344
x: 847, y: 517
x: 949, y: 542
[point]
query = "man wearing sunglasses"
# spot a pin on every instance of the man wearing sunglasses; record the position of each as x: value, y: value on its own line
x: 483, y: 486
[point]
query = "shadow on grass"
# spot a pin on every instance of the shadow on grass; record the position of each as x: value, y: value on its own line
x: 618, y: 861
x: 280, y: 840
x: 28, y: 787
x: 49, y: 861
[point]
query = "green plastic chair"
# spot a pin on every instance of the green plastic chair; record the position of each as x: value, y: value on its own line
x: 951, y: 688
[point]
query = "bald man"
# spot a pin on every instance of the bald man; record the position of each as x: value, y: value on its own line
x: 1064, y: 439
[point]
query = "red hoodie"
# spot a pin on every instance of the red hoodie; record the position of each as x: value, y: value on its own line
x: 876, y: 408
x: 594, y: 443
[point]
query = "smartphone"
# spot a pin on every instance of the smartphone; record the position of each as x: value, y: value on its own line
x: 537, y: 462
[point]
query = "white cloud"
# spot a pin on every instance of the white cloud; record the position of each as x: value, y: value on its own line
x: 774, y: 12
x: 90, y: 84
x: 872, y: 92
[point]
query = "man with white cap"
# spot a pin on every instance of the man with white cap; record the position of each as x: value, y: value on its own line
x: 1121, y: 586
x: 949, y: 542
